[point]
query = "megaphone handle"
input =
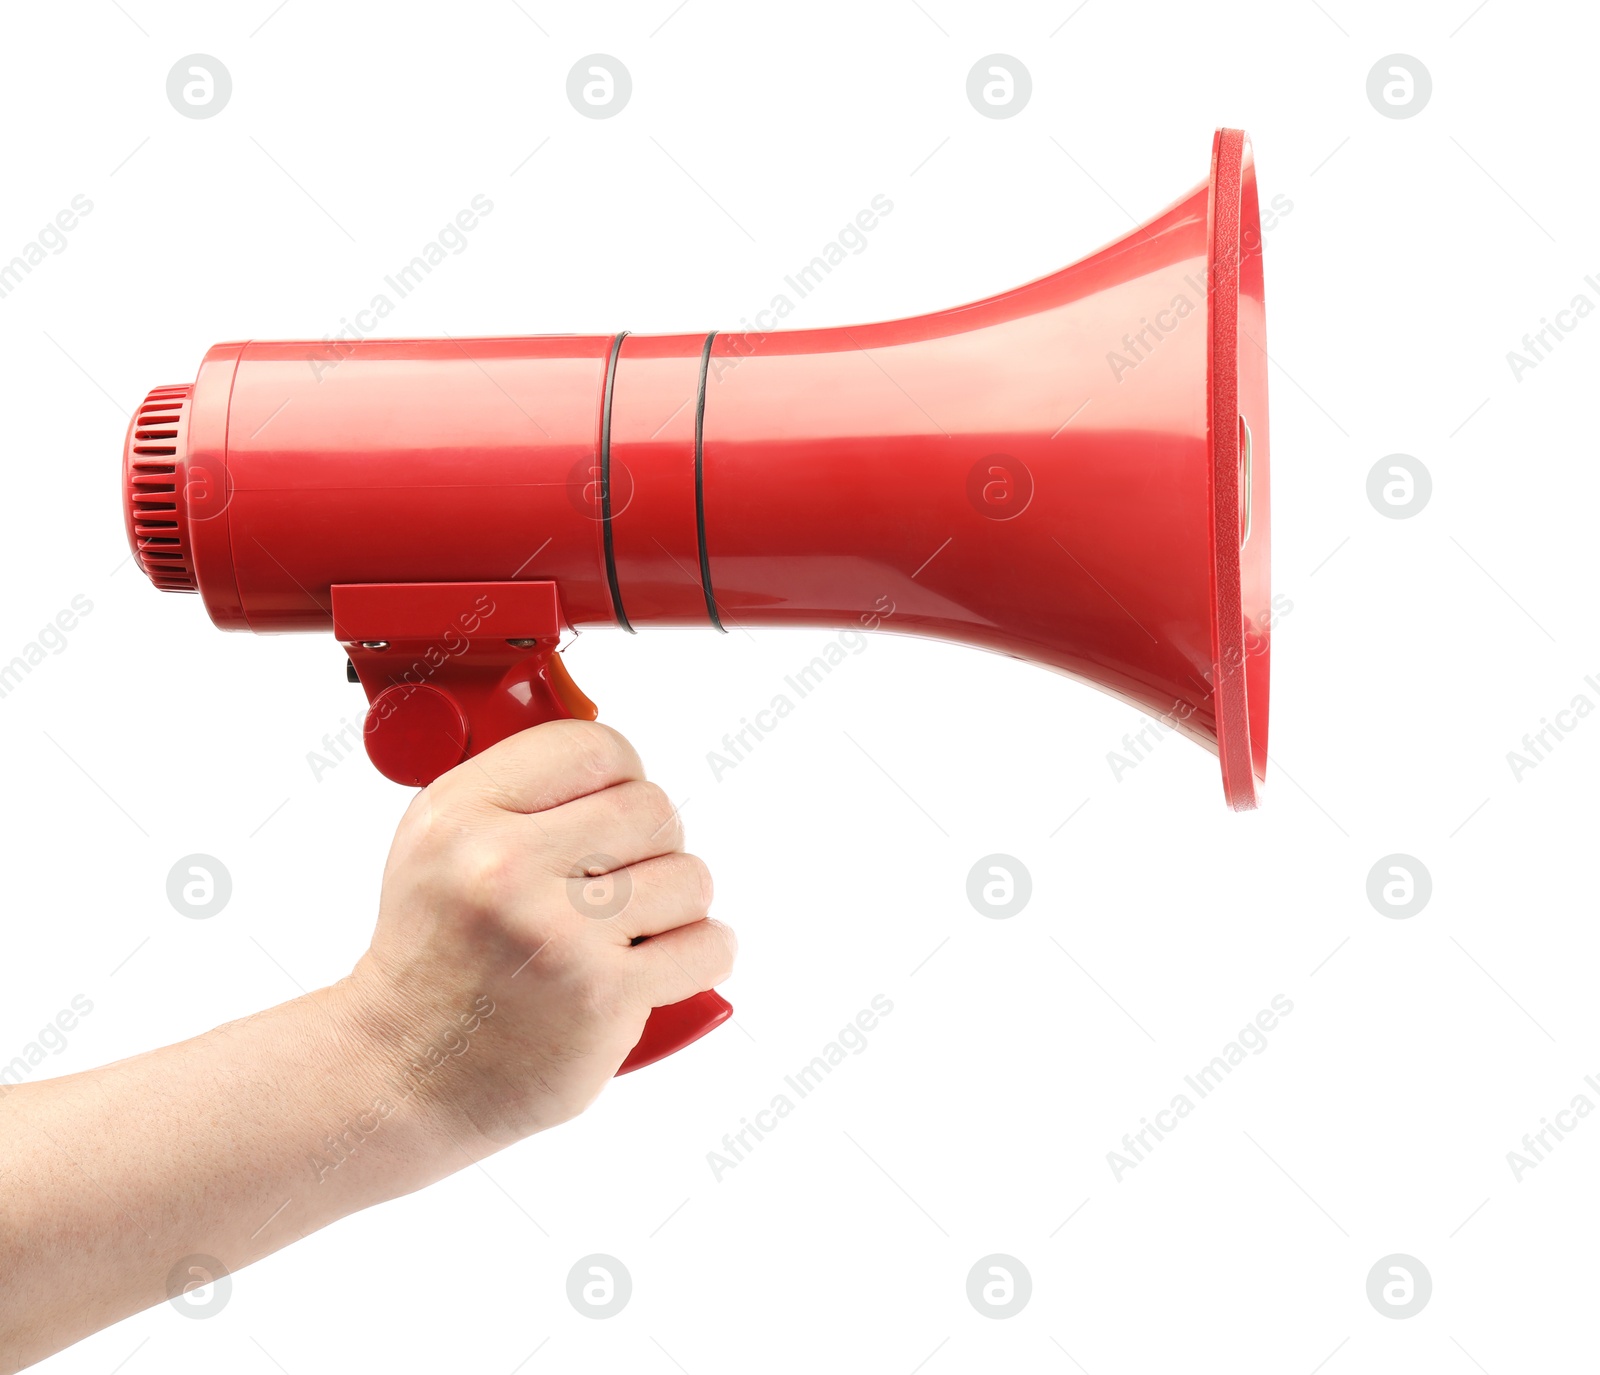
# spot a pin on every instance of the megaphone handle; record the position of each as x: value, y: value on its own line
x: 673, y: 1027
x: 677, y: 1025
x: 506, y: 678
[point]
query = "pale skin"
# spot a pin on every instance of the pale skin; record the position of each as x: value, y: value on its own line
x: 493, y: 1003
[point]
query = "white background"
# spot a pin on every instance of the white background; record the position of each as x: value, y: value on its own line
x: 978, y: 1120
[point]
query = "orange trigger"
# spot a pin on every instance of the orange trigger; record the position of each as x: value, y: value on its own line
x: 567, y: 692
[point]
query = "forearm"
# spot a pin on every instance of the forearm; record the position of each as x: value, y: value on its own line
x: 230, y: 1146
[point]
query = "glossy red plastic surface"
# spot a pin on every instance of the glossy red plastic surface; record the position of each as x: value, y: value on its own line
x: 1033, y: 474
x: 1057, y: 473
x: 452, y: 668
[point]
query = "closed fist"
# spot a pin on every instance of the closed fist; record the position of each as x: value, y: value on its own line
x: 537, y: 903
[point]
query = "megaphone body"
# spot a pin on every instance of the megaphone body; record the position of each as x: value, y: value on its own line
x: 1074, y: 473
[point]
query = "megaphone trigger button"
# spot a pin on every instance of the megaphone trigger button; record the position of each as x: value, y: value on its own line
x: 567, y: 692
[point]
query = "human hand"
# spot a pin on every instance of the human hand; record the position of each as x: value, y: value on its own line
x: 503, y: 987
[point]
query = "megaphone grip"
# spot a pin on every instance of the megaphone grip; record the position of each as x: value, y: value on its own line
x: 503, y: 678
x: 676, y: 1026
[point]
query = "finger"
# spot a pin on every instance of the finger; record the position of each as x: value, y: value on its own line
x: 687, y: 960
x: 645, y: 899
x: 544, y: 767
x: 610, y: 830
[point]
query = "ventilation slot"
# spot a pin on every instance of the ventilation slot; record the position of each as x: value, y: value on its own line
x: 155, y: 441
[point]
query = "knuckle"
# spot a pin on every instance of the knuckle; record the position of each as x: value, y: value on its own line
x: 727, y: 949
x: 485, y: 877
x: 598, y: 751
x: 653, y: 812
x: 639, y: 808
x: 596, y: 890
x: 697, y: 874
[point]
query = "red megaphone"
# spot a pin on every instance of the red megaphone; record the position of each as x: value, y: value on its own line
x: 1073, y: 473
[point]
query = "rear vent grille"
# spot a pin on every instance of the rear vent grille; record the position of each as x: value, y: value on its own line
x: 156, y: 446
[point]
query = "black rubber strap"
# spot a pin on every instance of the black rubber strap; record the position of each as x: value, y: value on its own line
x: 605, y: 484
x: 700, y: 484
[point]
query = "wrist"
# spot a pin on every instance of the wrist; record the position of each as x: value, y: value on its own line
x: 406, y: 1062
